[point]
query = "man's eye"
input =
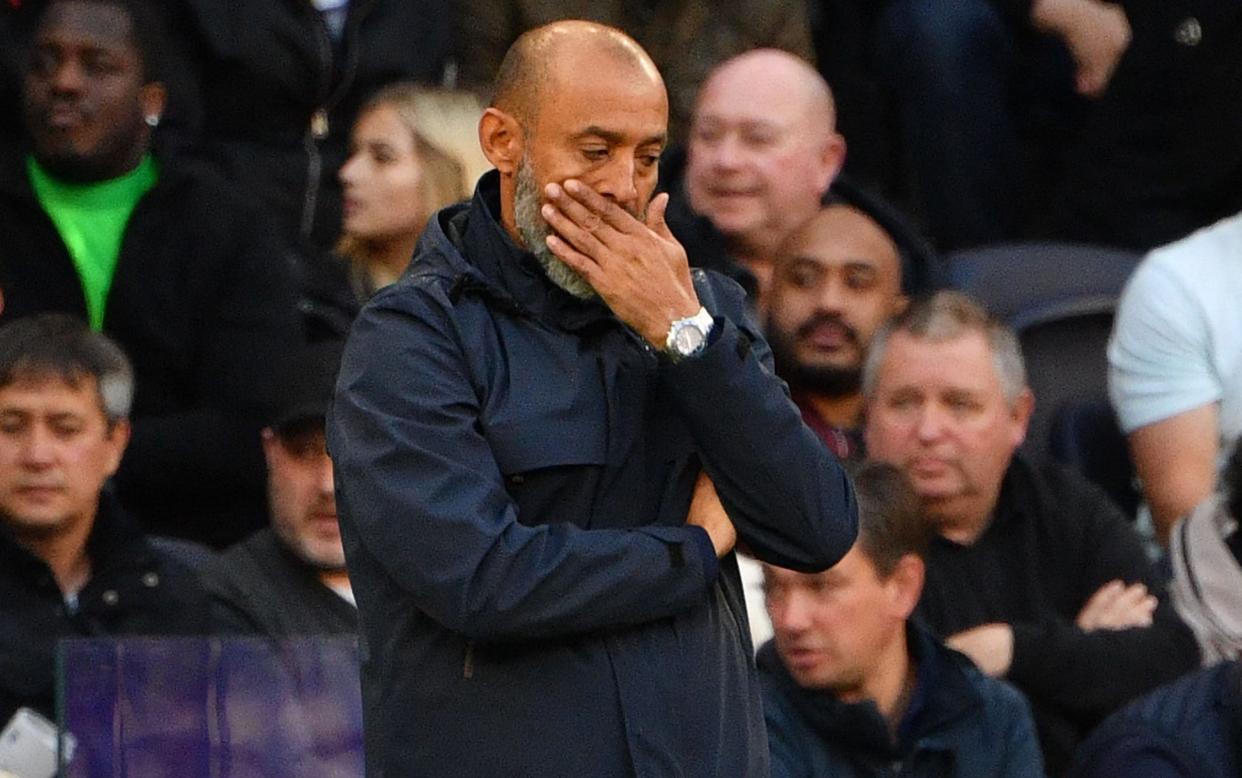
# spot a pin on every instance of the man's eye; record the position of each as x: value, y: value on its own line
x: 595, y: 155
x: 860, y: 281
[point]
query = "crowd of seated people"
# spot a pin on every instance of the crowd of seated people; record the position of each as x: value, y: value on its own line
x: 195, y: 203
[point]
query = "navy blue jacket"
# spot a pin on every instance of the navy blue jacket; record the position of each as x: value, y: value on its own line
x: 514, y: 468
x: 960, y: 724
x: 1189, y: 729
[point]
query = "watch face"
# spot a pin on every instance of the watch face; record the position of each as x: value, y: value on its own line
x: 688, y: 339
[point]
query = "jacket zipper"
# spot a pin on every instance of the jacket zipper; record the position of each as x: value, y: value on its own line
x: 467, y: 665
x: 319, y: 127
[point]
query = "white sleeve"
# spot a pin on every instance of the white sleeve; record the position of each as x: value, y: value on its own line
x: 1159, y: 356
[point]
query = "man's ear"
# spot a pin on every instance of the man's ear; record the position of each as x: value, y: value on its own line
x: 154, y: 98
x: 1020, y: 414
x: 118, y: 439
x: 270, y: 443
x: 831, y: 160
x: 905, y: 585
x: 502, y: 140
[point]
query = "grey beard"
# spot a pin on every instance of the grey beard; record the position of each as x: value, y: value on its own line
x: 535, y: 231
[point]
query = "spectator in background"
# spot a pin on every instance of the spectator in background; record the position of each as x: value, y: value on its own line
x: 1191, y: 728
x: 686, y: 39
x: 851, y: 685
x: 984, y: 93
x: 1158, y: 155
x: 1175, y: 367
x: 289, y: 578
x: 396, y: 177
x: 761, y: 155
x: 18, y: 19
x: 1034, y: 574
x: 279, y: 88
x: 72, y: 561
x: 836, y: 280
x: 157, y: 253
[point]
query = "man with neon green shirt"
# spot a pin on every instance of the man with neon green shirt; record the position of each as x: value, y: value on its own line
x: 157, y: 253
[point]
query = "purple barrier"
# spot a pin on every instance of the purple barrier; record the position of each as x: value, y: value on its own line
x: 211, y: 707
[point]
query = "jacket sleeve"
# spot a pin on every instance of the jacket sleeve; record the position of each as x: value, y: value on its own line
x: 1096, y: 672
x: 1022, y: 757
x: 418, y: 484
x: 788, y: 496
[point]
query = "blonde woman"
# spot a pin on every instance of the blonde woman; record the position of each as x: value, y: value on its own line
x: 412, y: 152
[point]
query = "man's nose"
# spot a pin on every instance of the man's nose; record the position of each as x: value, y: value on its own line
x: 327, y: 483
x: 931, y: 422
x: 38, y: 449
x: 726, y: 153
x: 618, y: 183
x: 831, y: 297
x: 793, y: 614
x: 68, y: 77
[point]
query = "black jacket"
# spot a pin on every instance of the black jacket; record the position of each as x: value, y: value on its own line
x: 960, y: 724
x: 263, y: 68
x: 259, y: 587
x: 204, y: 307
x: 1054, y: 540
x: 513, y: 470
x: 133, y: 590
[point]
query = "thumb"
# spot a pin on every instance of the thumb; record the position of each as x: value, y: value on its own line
x: 655, y: 215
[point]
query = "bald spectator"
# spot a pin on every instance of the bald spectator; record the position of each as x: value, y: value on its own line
x: 1034, y: 574
x: 685, y: 39
x: 762, y: 152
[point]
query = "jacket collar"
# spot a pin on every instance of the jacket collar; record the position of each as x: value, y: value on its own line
x: 115, y: 543
x: 487, y: 262
x: 943, y: 693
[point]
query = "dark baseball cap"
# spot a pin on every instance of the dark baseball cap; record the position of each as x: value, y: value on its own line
x: 308, y: 379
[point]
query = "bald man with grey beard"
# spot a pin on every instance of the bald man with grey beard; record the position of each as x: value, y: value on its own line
x: 548, y: 438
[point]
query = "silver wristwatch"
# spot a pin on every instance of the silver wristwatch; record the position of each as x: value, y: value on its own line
x: 687, y: 337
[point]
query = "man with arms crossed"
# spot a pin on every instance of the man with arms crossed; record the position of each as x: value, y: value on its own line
x: 548, y: 437
x: 1033, y: 573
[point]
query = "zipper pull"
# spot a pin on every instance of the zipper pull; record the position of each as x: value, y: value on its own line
x: 319, y: 124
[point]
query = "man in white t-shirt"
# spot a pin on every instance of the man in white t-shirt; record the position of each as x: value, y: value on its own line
x: 1175, y: 367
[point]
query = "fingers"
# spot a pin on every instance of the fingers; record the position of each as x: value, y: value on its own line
x: 582, y: 202
x: 578, y: 233
x: 1118, y: 606
x: 655, y: 216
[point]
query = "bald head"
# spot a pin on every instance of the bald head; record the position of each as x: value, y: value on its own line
x: 539, y: 58
x: 803, y: 93
x: 763, y: 151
